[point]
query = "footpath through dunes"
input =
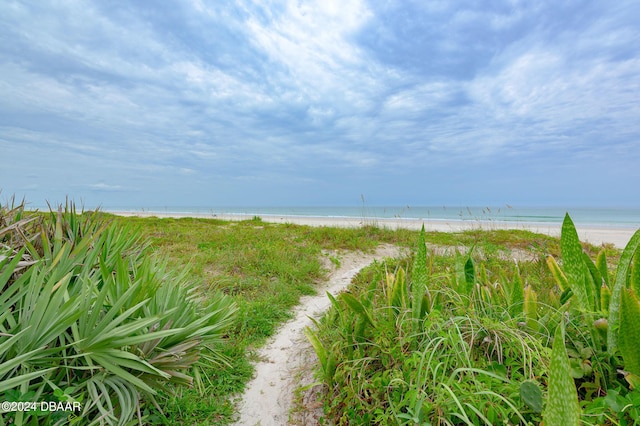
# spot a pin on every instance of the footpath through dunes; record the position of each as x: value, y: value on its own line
x: 287, y: 360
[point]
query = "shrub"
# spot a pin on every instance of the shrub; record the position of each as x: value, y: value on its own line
x: 88, y: 317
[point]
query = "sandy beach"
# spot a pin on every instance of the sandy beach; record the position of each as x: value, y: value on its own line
x: 596, y: 235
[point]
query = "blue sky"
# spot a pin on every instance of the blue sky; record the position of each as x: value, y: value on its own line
x: 220, y: 103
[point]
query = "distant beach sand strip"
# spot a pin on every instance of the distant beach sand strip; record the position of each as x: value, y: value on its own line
x: 596, y: 235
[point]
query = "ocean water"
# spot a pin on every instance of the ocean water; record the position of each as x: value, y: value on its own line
x: 615, y: 217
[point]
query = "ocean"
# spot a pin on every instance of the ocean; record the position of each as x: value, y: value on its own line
x: 614, y: 217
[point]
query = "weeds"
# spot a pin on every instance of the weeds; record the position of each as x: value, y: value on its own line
x: 467, y: 341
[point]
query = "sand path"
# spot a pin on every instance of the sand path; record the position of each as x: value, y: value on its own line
x: 287, y: 359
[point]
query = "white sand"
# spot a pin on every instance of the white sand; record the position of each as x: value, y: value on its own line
x: 596, y: 235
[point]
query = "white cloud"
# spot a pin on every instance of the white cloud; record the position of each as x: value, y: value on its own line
x: 432, y: 96
x: 105, y: 187
x: 312, y: 41
x: 542, y: 85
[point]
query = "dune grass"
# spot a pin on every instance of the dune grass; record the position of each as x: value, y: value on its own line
x: 263, y: 269
x: 266, y: 267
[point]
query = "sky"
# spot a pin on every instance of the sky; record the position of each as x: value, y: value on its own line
x: 145, y: 104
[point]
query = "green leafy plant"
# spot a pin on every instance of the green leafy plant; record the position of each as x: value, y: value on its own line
x: 621, y: 281
x: 531, y: 395
x: 419, y: 284
x: 85, y: 311
x: 629, y: 339
x: 562, y: 407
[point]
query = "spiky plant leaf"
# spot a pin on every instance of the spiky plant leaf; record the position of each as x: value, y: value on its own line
x: 605, y: 298
x: 469, y: 273
x: 557, y: 273
x: 562, y: 406
x: 358, y: 308
x: 629, y: 332
x: 634, y: 280
x: 8, y: 267
x: 397, y: 284
x: 622, y: 273
x: 327, y: 361
x: 601, y: 264
x: 23, y: 380
x: 594, y: 280
x: 531, y: 308
x: 573, y: 264
x: 419, y: 280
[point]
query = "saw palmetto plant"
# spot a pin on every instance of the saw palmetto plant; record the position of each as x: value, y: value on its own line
x: 88, y: 316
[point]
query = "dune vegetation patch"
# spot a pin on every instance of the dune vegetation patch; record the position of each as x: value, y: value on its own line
x: 186, y: 304
x: 445, y: 338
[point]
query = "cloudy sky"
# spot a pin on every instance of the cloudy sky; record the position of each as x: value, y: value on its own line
x: 259, y: 102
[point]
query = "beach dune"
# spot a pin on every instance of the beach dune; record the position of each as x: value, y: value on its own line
x: 596, y: 235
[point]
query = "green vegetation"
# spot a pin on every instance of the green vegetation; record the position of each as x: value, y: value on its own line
x: 475, y: 340
x: 265, y: 268
x: 122, y: 314
x: 89, y: 320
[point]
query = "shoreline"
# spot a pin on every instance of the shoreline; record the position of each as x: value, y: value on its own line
x: 597, y: 235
